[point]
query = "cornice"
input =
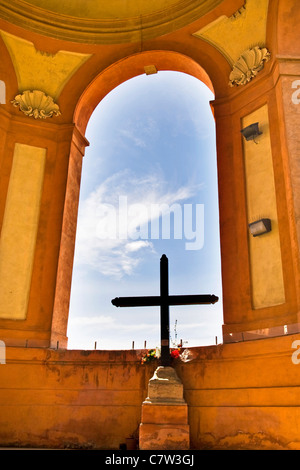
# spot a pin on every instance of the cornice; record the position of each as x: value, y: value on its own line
x: 104, y: 31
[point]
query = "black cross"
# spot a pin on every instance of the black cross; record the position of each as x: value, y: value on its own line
x: 164, y: 300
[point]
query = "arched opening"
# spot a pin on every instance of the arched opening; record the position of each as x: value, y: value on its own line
x: 152, y: 143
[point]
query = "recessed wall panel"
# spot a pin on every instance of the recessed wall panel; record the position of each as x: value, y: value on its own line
x: 19, y: 230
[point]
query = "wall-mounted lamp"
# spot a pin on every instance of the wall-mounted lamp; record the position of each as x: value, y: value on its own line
x: 259, y: 227
x: 252, y: 131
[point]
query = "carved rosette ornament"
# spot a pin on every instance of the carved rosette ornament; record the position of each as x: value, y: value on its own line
x: 37, y: 104
x: 248, y: 65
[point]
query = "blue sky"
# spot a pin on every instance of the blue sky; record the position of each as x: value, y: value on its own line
x: 152, y: 144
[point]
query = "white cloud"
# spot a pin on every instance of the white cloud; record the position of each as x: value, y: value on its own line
x: 108, y: 322
x: 112, y: 235
x: 135, y: 246
x: 138, y: 132
x: 103, y: 320
x: 131, y: 135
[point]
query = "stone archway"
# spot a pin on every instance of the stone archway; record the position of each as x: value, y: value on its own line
x: 107, y: 80
x: 130, y: 67
x: 242, y: 395
x: 244, y: 269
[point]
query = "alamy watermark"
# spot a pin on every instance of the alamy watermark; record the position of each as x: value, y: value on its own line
x: 2, y: 352
x: 296, y: 93
x: 295, y: 358
x: 152, y: 222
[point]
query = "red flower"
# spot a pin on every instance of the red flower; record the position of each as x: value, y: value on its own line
x: 175, y: 353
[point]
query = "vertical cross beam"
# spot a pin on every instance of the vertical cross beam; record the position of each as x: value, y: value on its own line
x: 164, y: 312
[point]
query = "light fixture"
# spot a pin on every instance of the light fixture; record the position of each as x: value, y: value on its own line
x: 252, y: 131
x: 259, y: 227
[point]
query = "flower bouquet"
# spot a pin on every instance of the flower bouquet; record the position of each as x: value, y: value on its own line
x: 150, y: 356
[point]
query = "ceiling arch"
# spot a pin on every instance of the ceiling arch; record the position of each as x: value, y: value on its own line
x: 130, y: 67
x: 102, y: 22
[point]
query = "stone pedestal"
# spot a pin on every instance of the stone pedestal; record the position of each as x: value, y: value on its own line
x: 164, y: 424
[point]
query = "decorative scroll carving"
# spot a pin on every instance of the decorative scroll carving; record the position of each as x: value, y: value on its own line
x: 37, y: 104
x: 248, y: 65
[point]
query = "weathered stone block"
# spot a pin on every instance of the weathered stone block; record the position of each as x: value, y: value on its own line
x: 164, y: 423
x: 164, y: 437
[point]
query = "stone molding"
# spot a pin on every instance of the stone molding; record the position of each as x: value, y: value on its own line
x: 110, y: 29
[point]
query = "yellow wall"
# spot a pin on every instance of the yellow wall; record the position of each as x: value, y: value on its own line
x: 19, y: 230
x: 265, y: 253
x: 37, y: 70
x: 234, y: 35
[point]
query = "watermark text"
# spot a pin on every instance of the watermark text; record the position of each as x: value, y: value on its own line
x: 2, y: 352
x: 152, y: 221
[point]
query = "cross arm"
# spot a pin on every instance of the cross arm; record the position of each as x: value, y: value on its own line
x: 167, y: 300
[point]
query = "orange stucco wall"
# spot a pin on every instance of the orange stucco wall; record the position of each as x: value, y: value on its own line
x: 92, y: 399
x: 240, y: 394
x: 70, y: 398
